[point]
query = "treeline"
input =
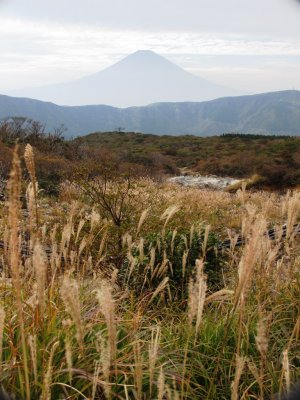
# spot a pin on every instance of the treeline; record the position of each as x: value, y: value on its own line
x: 59, y: 159
x: 26, y: 130
x: 54, y: 155
x: 250, y: 136
x: 276, y: 160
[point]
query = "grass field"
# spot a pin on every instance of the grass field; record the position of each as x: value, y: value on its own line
x: 146, y: 308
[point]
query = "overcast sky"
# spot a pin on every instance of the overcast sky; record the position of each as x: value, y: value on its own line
x: 252, y: 45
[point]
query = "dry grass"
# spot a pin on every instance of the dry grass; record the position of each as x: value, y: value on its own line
x: 74, y: 325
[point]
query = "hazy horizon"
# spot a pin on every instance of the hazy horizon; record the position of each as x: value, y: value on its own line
x: 142, y: 78
x: 253, y: 47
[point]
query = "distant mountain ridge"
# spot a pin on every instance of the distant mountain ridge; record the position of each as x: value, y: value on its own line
x: 141, y: 78
x: 267, y: 113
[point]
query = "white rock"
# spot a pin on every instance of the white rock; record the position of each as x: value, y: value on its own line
x: 202, y: 181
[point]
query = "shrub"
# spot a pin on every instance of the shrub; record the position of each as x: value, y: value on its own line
x: 179, y: 252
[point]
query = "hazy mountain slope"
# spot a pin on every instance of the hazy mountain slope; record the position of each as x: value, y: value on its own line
x: 141, y: 78
x: 274, y: 113
x: 78, y: 120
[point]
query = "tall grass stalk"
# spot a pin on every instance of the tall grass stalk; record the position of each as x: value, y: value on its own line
x: 286, y: 369
x: 32, y: 342
x: 262, y: 345
x: 40, y: 268
x: 153, y: 354
x: 14, y: 218
x: 239, y: 368
x: 161, y: 385
x: 70, y: 294
x: 30, y: 164
x: 107, y: 308
x: 69, y: 356
x: 2, y: 326
x: 197, y: 293
x: 46, y: 392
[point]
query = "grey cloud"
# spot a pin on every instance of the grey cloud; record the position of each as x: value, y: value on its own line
x: 61, y: 39
x: 268, y: 17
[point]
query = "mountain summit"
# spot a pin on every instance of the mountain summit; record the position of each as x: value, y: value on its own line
x: 141, y: 78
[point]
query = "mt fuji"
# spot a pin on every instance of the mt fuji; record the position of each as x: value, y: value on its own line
x: 141, y: 78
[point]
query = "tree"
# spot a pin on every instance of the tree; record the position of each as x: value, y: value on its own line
x: 110, y: 186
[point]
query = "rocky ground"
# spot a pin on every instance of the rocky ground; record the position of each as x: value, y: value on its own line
x: 204, y: 181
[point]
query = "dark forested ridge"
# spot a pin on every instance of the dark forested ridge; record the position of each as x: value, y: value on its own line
x: 270, y: 113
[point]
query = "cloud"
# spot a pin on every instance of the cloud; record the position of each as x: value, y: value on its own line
x: 256, y: 17
x: 30, y: 36
x: 49, y: 42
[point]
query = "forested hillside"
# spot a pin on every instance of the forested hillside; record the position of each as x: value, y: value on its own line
x: 276, y: 159
x: 269, y: 113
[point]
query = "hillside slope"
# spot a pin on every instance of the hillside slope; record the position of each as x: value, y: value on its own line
x: 271, y: 113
